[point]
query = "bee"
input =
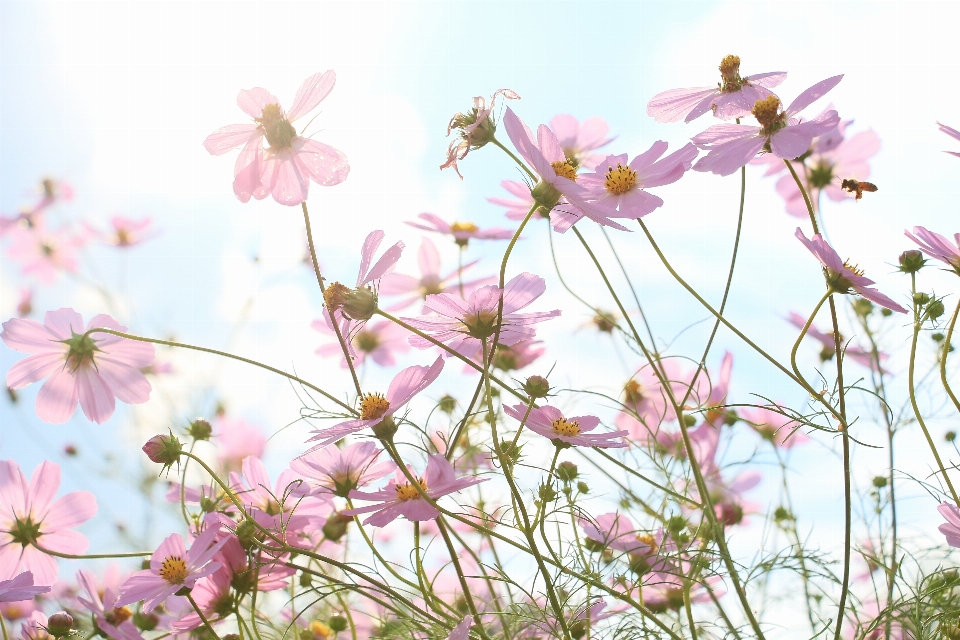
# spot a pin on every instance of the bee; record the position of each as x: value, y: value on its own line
x: 858, y: 187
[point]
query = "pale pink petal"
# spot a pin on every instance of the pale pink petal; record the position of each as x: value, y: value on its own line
x: 64, y: 322
x: 674, y: 105
x: 96, y: 399
x: 229, y: 137
x: 326, y: 165
x: 125, y: 382
x: 34, y: 368
x: 69, y: 511
x: 22, y: 334
x: 369, y: 248
x: 313, y: 90
x: 291, y: 186
x: 248, y: 168
x: 57, y: 399
x: 428, y: 258
x: 549, y: 145
x: 386, y: 263
x: 812, y: 94
x: 522, y: 290
x: 253, y: 101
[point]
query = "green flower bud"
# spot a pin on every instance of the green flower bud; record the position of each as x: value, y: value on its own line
x: 547, y: 493
x: 567, y: 471
x: 689, y: 420
x: 447, y: 404
x: 911, y: 261
x: 165, y: 450
x: 338, y: 623
x: 199, y: 429
x: 862, y: 307
x: 921, y: 298
x: 886, y: 313
x: 879, y: 482
x: 935, y: 309
x: 537, y: 387
x: 336, y: 527
x: 60, y: 624
x: 146, y: 621
x: 950, y: 436
x: 582, y: 487
x: 937, y: 337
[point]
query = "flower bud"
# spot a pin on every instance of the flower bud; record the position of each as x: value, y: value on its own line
x: 360, y: 304
x: 582, y: 487
x: 510, y: 451
x: 921, y: 298
x: 937, y: 337
x: 336, y: 527
x: 567, y: 471
x: 935, y: 309
x: 337, y: 623
x: 447, y: 404
x: 950, y: 436
x: 879, y: 482
x: 862, y: 307
x: 306, y: 580
x: 146, y: 621
x: 781, y: 514
x: 200, y: 429
x: 247, y: 534
x: 537, y: 387
x: 230, y: 636
x: 547, y: 493
x: 886, y: 313
x: 60, y: 624
x: 165, y: 450
x: 911, y: 261
x: 689, y: 420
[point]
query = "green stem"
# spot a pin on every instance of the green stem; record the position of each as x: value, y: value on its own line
x: 943, y: 358
x: 455, y: 559
x: 515, y: 158
x: 224, y: 354
x: 203, y: 618
x: 94, y: 556
x: 333, y: 318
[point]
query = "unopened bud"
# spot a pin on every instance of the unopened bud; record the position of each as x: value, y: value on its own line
x: 886, y: 313
x: 60, y: 624
x: 879, y: 482
x: 950, y: 436
x: 594, y: 546
x: 911, y: 261
x: 165, y: 450
x: 200, y: 429
x: 935, y: 309
x: 230, y: 636
x: 447, y: 404
x: 582, y: 487
x: 781, y: 514
x: 336, y: 527
x: 567, y: 471
x: 337, y: 623
x: 548, y: 493
x: 146, y: 621
x: 921, y: 298
x: 510, y: 451
x: 862, y: 307
x: 937, y: 337
x: 689, y: 420
x: 537, y: 387
x: 360, y: 304
x: 306, y: 580
x: 247, y: 534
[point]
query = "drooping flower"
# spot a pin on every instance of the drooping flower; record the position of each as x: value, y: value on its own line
x: 566, y: 432
x: 378, y: 341
x: 115, y: 622
x: 518, y: 209
x: 361, y: 302
x: 475, y: 128
x: 936, y: 246
x: 773, y: 425
x: 173, y: 567
x: 128, y: 232
x: 20, y: 587
x: 44, y: 253
x: 462, y: 232
x: 377, y: 410
x: 622, y: 186
x: 94, y: 369
x: 464, y: 324
x: 951, y: 529
x: 578, y: 139
x: 334, y: 471
x: 953, y: 133
x: 400, y: 498
x: 829, y: 350
x: 30, y: 519
x: 430, y: 281
x: 733, y: 96
x: 843, y: 277
x: 731, y: 146
x: 557, y: 190
x: 290, y: 161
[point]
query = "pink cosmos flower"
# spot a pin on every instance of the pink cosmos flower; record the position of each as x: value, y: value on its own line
x: 360, y: 303
x: 115, y: 622
x: 44, y: 253
x: 645, y: 401
x: 20, y: 588
x: 731, y: 146
x: 128, y: 232
x: 618, y: 532
x: 951, y: 529
x: 173, y: 567
x: 463, y: 324
x: 953, y: 133
x: 518, y: 209
x: 336, y: 472
x: 825, y: 338
x: 578, y: 139
x: 378, y: 341
x: 93, y: 370
x: 462, y: 232
x: 843, y: 277
x: 662, y: 591
x: 29, y: 518
x: 236, y: 439
x: 376, y: 409
x: 726, y: 494
x: 400, y: 498
x: 772, y: 425
x: 476, y: 128
x: 26, y: 219
x: 936, y: 246
x: 430, y: 281
x: 285, y: 167
x: 53, y: 190
x: 833, y: 158
x: 550, y: 423
x: 35, y: 627
x: 557, y: 190
x: 622, y: 186
x: 733, y: 96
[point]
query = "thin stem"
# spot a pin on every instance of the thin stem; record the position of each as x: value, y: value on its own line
x: 636, y: 473
x: 803, y: 192
x: 455, y: 559
x: 224, y: 354
x: 203, y: 618
x: 333, y: 318
x: 943, y: 358
x: 94, y: 556
x: 515, y: 158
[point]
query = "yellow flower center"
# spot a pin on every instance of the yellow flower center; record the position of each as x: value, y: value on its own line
x: 335, y: 295
x: 173, y: 569
x: 857, y: 271
x: 648, y: 540
x: 373, y: 406
x: 481, y: 325
x: 320, y: 630
x: 469, y: 227
x: 276, y: 128
x: 118, y: 615
x: 634, y: 391
x: 730, y: 73
x: 565, y: 428
x: 768, y: 114
x: 407, y: 491
x: 565, y: 170
x: 366, y: 341
x: 620, y: 179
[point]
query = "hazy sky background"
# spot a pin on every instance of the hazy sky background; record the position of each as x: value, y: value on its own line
x: 116, y: 99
